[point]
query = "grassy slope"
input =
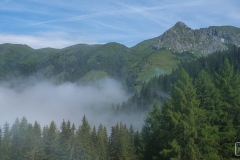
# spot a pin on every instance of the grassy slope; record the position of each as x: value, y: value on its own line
x: 159, y: 62
x: 93, y: 75
x: 153, y: 62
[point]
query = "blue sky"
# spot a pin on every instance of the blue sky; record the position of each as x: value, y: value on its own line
x: 61, y: 23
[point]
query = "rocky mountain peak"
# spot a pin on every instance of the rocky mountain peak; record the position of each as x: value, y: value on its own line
x: 180, y: 24
x: 179, y: 27
x: 205, y: 40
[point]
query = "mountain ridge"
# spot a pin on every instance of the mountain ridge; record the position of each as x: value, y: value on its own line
x: 180, y: 38
x: 132, y: 65
x: 204, y: 40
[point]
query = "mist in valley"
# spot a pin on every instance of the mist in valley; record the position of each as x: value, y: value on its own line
x: 44, y: 101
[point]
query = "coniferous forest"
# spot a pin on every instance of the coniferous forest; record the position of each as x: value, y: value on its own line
x: 198, y: 120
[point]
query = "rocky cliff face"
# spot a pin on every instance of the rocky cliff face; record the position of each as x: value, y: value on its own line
x: 205, y: 40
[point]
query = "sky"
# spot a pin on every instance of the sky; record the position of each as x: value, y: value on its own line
x: 62, y: 23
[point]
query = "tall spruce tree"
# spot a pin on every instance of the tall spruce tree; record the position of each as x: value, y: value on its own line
x: 1, y: 143
x: 35, y: 148
x: 178, y: 127
x: 84, y: 143
x: 16, y: 143
x: 131, y: 137
x: 50, y: 139
x: 207, y: 117
x: 114, y: 143
x: 228, y: 84
x: 94, y: 140
x: 6, y: 142
x: 71, y: 142
x: 126, y: 144
x: 138, y: 144
x: 65, y: 139
x: 102, y: 143
x: 150, y: 145
x: 120, y: 144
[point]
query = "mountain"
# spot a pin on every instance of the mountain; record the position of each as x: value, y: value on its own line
x: 79, y: 63
x: 205, y: 40
x: 83, y: 63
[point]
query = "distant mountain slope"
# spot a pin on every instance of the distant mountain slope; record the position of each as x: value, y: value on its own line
x: 84, y: 63
x: 75, y: 63
x: 205, y: 40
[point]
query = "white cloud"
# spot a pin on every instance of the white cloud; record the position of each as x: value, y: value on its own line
x: 44, y: 102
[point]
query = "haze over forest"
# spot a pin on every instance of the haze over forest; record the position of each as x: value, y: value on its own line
x: 123, y: 99
x: 44, y: 101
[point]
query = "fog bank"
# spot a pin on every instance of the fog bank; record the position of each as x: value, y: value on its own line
x: 44, y: 101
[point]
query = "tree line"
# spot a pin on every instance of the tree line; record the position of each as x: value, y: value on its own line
x: 24, y: 140
x: 200, y: 120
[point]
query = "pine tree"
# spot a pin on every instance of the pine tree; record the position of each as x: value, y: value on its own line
x: 64, y: 138
x: 94, y: 140
x: 15, y: 141
x: 30, y: 152
x: 6, y: 142
x: 151, y: 145
x: 138, y: 144
x: 35, y: 148
x: 50, y: 139
x: 72, y: 143
x: 23, y: 135
x: 114, y: 142
x: 236, y: 104
x: 207, y: 114
x: 84, y: 143
x: 228, y: 84
x: 18, y: 141
x: 121, y: 146
x: 126, y: 145
x: 131, y: 149
x: 102, y: 143
x: 178, y: 128
x: 1, y: 143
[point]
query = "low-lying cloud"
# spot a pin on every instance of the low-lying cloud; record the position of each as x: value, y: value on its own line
x: 45, y: 101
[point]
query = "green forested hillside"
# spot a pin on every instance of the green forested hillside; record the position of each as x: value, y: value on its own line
x: 68, y: 64
x: 199, y: 120
x: 84, y: 63
x: 159, y: 87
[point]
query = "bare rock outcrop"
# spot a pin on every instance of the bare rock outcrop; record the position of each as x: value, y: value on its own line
x: 205, y: 40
